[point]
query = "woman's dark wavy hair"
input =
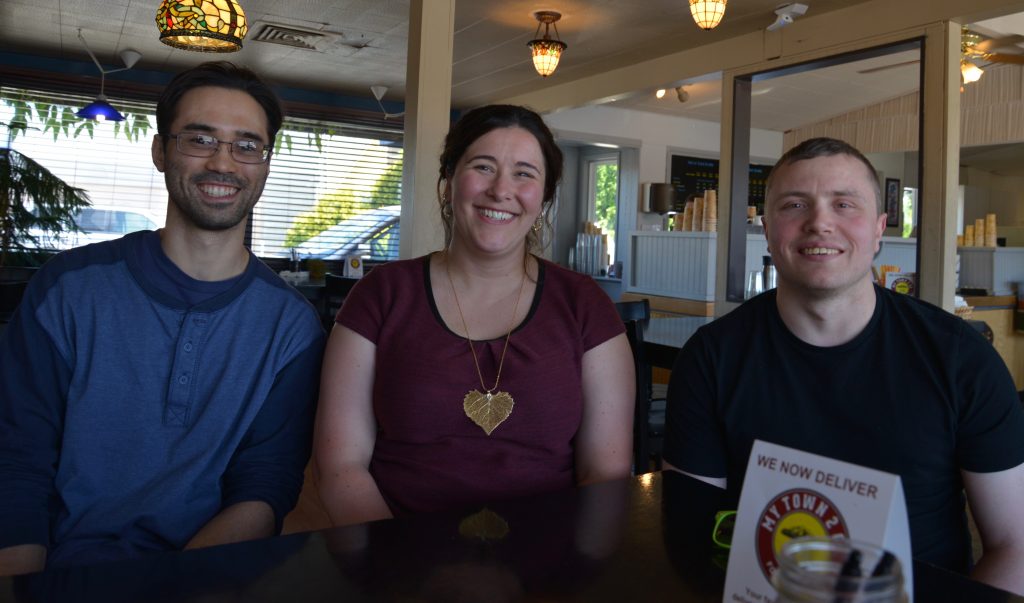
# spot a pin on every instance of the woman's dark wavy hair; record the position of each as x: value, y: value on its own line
x: 219, y: 74
x: 479, y: 122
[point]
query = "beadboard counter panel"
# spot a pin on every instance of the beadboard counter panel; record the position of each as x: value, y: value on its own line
x: 993, y: 268
x: 674, y: 264
x: 682, y: 264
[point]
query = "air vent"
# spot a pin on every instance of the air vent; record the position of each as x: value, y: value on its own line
x: 287, y: 36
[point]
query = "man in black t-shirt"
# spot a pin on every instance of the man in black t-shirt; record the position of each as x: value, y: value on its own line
x: 832, y: 364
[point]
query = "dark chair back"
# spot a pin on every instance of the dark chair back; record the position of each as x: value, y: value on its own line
x: 634, y: 310
x: 335, y: 289
x: 642, y: 404
x: 10, y: 296
x: 635, y: 314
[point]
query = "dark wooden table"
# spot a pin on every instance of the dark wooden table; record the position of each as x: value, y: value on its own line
x: 663, y: 337
x: 642, y: 539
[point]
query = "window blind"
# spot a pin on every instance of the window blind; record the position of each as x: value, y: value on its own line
x: 334, y: 187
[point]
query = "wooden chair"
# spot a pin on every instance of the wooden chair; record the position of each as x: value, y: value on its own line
x: 648, y: 413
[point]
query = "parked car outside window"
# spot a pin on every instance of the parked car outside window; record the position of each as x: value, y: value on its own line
x: 372, y: 234
x: 96, y: 224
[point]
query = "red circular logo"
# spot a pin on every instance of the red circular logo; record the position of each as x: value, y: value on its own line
x: 792, y: 514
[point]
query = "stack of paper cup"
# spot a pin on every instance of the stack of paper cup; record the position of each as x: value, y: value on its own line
x: 688, y: 216
x: 710, y: 211
x: 969, y: 235
x: 990, y: 230
x: 979, y: 232
x: 698, y: 213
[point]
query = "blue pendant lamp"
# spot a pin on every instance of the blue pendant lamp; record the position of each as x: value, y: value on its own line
x: 100, y: 109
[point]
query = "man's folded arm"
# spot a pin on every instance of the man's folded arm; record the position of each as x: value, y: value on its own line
x: 269, y: 463
x: 34, y: 380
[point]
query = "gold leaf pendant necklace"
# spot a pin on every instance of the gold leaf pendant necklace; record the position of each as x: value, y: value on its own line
x: 488, y: 409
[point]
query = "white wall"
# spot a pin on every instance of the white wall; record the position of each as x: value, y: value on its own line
x: 647, y: 140
x: 656, y: 137
x: 657, y: 133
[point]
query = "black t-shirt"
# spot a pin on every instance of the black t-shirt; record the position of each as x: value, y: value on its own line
x: 917, y: 393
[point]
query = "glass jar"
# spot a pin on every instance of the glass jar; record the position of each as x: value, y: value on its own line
x: 810, y: 572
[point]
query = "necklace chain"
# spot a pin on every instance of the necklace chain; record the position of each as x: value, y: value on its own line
x: 469, y: 339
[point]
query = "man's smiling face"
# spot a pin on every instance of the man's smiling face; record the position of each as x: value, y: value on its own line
x: 217, y: 192
x: 823, y: 225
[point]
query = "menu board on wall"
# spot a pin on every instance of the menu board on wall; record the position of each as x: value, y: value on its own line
x: 694, y: 175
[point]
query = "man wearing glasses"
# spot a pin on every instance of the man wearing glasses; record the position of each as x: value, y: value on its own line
x: 157, y: 392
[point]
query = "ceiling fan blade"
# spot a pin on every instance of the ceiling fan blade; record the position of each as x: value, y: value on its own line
x: 885, y: 67
x: 996, y: 43
x: 1017, y: 59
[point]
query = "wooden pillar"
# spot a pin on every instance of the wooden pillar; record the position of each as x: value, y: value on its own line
x: 428, y: 94
x: 940, y: 161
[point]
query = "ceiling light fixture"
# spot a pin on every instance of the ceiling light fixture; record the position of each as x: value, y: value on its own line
x: 682, y: 94
x: 660, y: 93
x: 970, y: 72
x: 707, y: 13
x: 546, y: 52
x: 202, y: 25
x: 100, y: 109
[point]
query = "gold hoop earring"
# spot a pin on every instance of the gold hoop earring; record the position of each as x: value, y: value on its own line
x: 538, y: 224
x: 446, y: 209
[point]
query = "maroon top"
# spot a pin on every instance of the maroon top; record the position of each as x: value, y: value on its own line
x: 429, y: 456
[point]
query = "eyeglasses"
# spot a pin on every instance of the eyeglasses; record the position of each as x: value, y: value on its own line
x: 197, y: 144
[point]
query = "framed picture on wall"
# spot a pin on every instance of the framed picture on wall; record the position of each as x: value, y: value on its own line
x: 892, y: 196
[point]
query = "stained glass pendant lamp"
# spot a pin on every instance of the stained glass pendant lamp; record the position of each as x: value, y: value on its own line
x: 546, y: 51
x: 707, y: 13
x: 202, y: 25
x: 100, y: 109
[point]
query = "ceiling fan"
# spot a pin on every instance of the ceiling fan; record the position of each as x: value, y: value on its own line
x: 974, y: 48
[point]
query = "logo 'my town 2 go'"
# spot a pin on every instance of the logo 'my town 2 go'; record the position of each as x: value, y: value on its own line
x: 792, y: 514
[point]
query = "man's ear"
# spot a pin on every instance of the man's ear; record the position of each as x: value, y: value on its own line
x: 157, y: 150
x: 764, y: 223
x: 879, y: 231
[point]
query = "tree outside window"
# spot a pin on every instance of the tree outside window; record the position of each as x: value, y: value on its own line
x: 604, y: 197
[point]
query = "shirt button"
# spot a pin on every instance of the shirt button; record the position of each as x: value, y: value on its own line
x: 183, y: 379
x: 188, y: 347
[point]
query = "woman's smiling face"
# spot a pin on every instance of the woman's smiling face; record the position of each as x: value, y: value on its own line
x: 497, y: 191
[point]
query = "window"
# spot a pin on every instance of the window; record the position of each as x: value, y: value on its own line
x: 322, y: 174
x: 603, y: 197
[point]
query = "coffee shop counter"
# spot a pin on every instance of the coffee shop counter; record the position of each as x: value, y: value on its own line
x: 997, y: 311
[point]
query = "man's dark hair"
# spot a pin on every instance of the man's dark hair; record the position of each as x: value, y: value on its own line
x: 218, y: 74
x: 827, y: 147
